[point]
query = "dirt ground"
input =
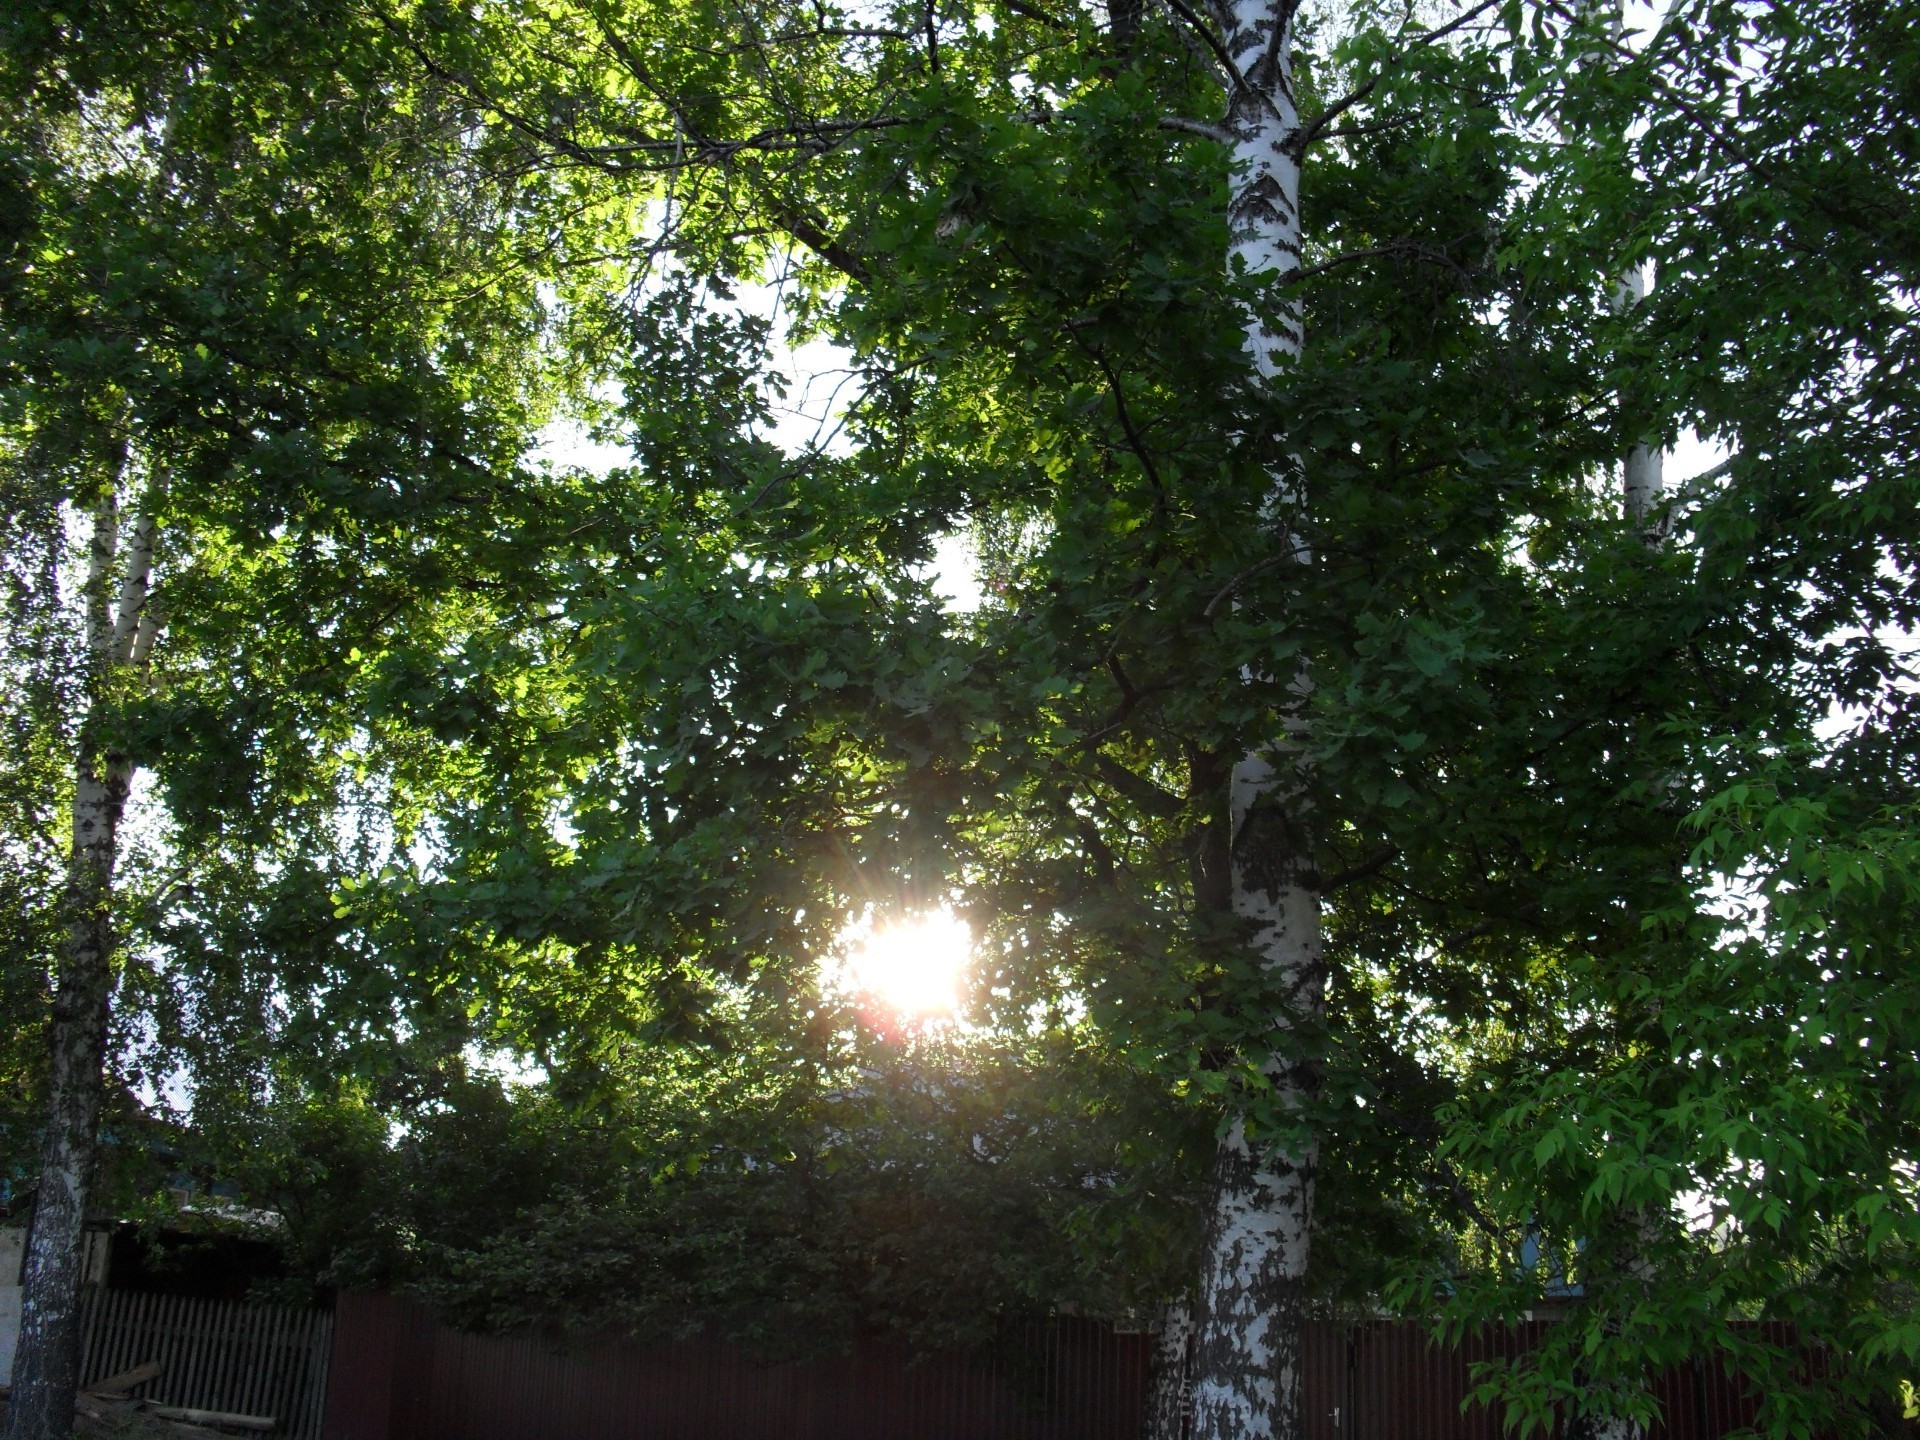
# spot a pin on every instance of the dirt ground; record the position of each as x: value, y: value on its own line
x: 126, y: 1420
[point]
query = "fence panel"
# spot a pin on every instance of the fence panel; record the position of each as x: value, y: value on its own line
x: 399, y: 1376
x: 218, y: 1355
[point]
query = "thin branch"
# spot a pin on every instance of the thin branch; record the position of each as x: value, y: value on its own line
x: 1258, y: 567
x: 1314, y: 128
x: 1372, y: 252
x: 1207, y: 37
x: 1196, y: 127
x: 1365, y: 870
x: 1134, y: 440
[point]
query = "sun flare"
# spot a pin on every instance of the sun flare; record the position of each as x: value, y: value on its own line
x: 913, y: 967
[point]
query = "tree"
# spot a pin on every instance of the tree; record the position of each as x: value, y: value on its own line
x: 247, y: 311
x: 794, y: 1188
x: 1720, y: 1095
x: 1515, y: 706
x: 976, y: 248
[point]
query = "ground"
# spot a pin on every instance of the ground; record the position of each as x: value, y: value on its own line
x: 127, y: 1420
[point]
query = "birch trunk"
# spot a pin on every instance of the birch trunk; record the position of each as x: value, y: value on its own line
x: 1642, y: 477
x: 1170, y: 1379
x: 1250, y: 1309
x: 1642, y: 487
x: 119, y: 639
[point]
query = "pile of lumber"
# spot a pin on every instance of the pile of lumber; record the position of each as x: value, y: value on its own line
x: 116, y: 1390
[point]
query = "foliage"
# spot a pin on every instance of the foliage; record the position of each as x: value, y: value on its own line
x: 792, y: 1194
x: 1612, y: 829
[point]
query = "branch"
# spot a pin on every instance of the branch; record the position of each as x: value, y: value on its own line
x: 816, y: 138
x: 133, y: 588
x: 1397, y: 247
x: 1314, y: 128
x: 1372, y: 252
x: 1134, y: 440
x: 810, y: 233
x: 144, y: 636
x: 1021, y: 8
x: 1365, y: 870
x: 1697, y: 486
x: 1154, y: 799
x: 1196, y: 127
x: 1247, y: 574
x: 1199, y: 28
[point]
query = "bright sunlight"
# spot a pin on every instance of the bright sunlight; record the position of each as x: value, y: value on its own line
x: 911, y: 966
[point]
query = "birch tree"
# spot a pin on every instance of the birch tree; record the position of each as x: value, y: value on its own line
x: 203, y: 388
x: 1252, y: 1295
x: 783, y: 140
x: 119, y: 638
x: 1662, y: 1131
x: 1017, y: 231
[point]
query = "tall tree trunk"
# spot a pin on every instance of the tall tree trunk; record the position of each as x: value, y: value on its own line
x: 1642, y: 478
x: 1642, y: 486
x: 1251, y: 1304
x: 1170, y: 1381
x: 119, y: 638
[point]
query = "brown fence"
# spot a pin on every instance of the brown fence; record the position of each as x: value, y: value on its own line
x: 397, y: 1375
x: 241, y: 1359
x: 1388, y: 1380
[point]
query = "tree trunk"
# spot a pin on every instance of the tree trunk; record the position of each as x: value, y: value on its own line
x: 1251, y: 1302
x: 1642, y: 485
x: 47, y: 1358
x: 1169, y: 1383
x: 1641, y: 474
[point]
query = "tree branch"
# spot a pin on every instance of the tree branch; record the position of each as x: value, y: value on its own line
x: 1196, y: 127
x: 1316, y: 127
x: 133, y: 587
x: 1258, y: 567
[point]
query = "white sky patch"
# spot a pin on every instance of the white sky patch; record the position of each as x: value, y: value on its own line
x: 1692, y: 455
x: 567, y: 445
x: 955, y: 571
x: 512, y: 1070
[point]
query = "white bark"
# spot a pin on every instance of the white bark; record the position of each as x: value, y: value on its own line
x: 132, y: 608
x: 1251, y: 1303
x: 1168, y: 1415
x: 119, y: 640
x: 1643, y: 481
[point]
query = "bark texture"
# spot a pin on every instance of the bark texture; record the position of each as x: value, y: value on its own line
x: 1168, y: 1416
x: 119, y: 639
x: 1250, y: 1307
x: 1643, y: 482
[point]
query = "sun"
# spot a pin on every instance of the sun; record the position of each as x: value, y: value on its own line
x: 912, y: 967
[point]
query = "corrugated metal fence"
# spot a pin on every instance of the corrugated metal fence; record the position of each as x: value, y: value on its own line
x: 242, y: 1359
x: 1388, y: 1380
x: 399, y: 1376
